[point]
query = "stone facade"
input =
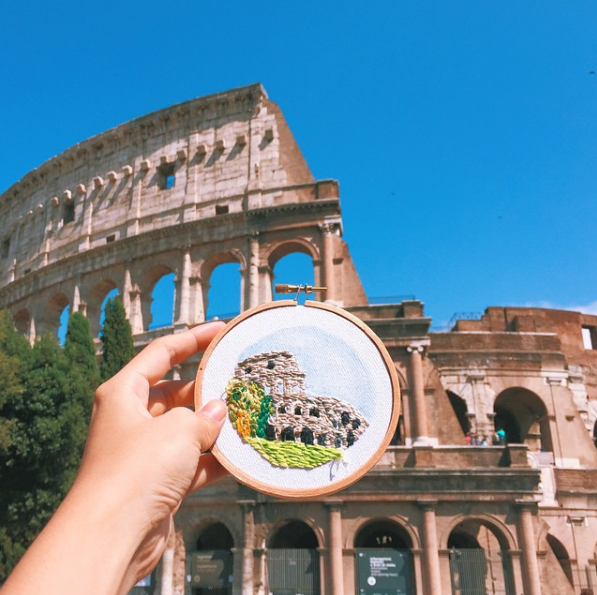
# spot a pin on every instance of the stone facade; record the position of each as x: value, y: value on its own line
x: 221, y: 179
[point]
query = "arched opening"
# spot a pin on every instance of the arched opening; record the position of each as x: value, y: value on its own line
x: 595, y: 434
x: 224, y: 292
x: 398, y: 437
x: 22, y: 322
x: 110, y: 296
x: 561, y: 555
x: 96, y: 302
x: 162, y: 302
x: 384, y: 552
x: 479, y: 560
x: 294, y: 262
x: 295, y: 268
x: 461, y: 410
x: 211, y: 563
x: 55, y: 318
x: 522, y: 416
x: 63, y: 327
x: 293, y: 560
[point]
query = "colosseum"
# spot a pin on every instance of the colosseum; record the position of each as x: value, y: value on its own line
x: 490, y: 483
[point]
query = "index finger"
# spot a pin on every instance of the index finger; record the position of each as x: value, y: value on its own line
x: 164, y: 353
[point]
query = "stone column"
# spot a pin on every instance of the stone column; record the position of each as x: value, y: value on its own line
x: 166, y: 586
x: 335, y: 549
x: 76, y: 299
x: 184, y: 289
x: 136, y: 311
x: 196, y: 301
x: 248, y: 508
x: 32, y: 333
x: 431, y: 568
x: 417, y: 382
x: 529, y: 552
x: 127, y: 287
x: 167, y: 574
x: 253, y: 280
x: 327, y: 231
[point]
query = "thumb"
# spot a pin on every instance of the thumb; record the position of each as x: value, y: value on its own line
x: 213, y: 415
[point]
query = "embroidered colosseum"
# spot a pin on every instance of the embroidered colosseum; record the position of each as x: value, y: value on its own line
x: 311, y: 419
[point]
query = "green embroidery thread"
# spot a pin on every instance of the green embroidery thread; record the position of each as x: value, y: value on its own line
x: 270, y: 410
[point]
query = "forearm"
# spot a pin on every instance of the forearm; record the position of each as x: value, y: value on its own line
x: 86, y: 547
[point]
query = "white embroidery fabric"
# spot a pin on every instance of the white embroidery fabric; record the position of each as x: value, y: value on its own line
x: 339, y: 360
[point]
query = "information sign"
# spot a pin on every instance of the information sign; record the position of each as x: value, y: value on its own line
x: 384, y: 572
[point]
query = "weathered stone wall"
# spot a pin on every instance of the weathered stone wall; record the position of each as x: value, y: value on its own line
x: 213, y: 180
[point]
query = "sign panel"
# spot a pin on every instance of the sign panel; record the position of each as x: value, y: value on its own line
x: 211, y: 568
x: 384, y: 572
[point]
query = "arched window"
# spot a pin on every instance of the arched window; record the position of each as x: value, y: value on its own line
x: 224, y: 295
x: 398, y: 437
x: 384, y: 550
x: 22, y: 322
x: 211, y: 563
x: 523, y: 417
x: 111, y: 295
x: 96, y: 303
x: 562, y: 556
x: 295, y: 269
x: 293, y: 560
x: 162, y: 303
x: 461, y: 410
x: 55, y: 319
x: 479, y: 560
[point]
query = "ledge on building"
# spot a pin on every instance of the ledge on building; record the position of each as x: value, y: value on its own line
x: 455, y: 457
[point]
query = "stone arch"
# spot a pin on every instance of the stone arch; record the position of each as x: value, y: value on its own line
x: 284, y: 247
x: 506, y: 537
x: 561, y: 554
x: 194, y: 527
x: 294, y: 533
x: 212, y: 550
x: 150, y: 279
x: 384, y: 537
x: 22, y: 321
x: 56, y: 305
x: 279, y: 250
x: 461, y: 410
x: 94, y: 299
x: 402, y: 522
x: 371, y: 533
x: 208, y: 267
x: 214, y: 536
x: 293, y: 558
x: 479, y: 558
x: 523, y: 416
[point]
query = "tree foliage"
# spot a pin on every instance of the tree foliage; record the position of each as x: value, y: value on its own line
x: 80, y: 352
x: 117, y: 339
x: 45, y: 401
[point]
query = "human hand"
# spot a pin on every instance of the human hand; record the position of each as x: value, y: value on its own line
x: 143, y: 454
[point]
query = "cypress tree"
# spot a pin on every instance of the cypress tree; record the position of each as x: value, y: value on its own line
x: 79, y: 349
x: 117, y: 339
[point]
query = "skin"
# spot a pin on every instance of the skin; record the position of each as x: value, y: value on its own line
x: 143, y: 456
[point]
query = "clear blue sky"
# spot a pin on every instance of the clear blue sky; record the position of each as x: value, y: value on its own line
x: 463, y: 134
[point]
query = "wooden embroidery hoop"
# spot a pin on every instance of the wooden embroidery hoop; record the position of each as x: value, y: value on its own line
x: 260, y: 483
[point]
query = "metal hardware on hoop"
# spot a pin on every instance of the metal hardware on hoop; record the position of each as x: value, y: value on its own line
x: 285, y: 288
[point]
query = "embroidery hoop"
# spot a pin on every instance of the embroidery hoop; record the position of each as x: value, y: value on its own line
x: 318, y: 334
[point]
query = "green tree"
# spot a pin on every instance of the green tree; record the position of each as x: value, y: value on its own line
x: 80, y: 352
x: 47, y: 427
x: 117, y: 339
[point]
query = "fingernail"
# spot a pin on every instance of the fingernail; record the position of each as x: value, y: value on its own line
x: 215, y: 410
